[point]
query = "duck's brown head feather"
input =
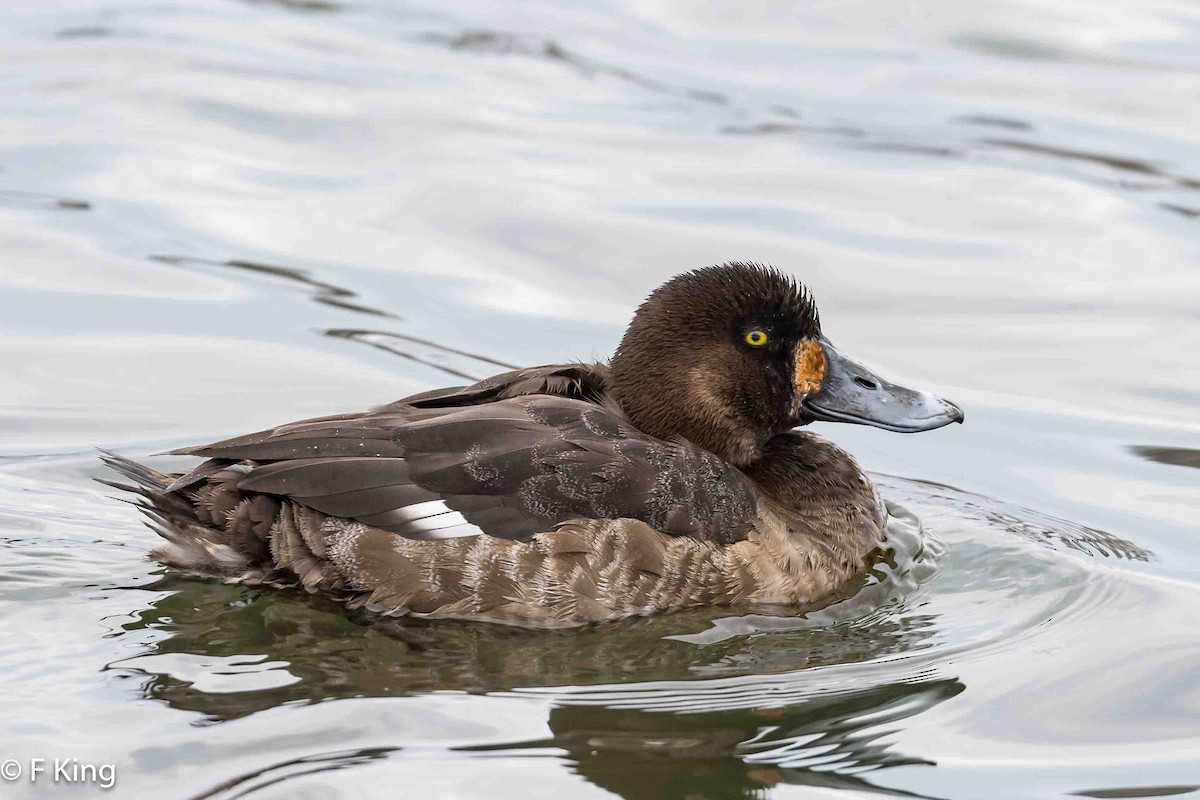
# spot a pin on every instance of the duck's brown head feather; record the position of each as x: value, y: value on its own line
x: 721, y: 356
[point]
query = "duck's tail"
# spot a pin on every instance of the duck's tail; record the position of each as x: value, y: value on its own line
x: 193, y: 543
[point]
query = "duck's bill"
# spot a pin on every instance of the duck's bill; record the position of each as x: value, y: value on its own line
x: 852, y: 393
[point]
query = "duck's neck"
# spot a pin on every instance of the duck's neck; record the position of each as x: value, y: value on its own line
x: 810, y: 476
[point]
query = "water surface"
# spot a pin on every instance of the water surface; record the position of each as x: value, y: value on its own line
x: 220, y: 215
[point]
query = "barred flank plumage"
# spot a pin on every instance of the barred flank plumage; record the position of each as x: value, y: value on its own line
x: 585, y: 571
x: 582, y: 572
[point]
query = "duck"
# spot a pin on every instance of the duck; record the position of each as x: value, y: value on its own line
x: 676, y: 476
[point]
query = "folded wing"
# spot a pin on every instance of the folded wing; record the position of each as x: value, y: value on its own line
x: 508, y: 468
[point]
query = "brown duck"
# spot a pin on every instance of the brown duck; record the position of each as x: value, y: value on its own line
x: 562, y: 495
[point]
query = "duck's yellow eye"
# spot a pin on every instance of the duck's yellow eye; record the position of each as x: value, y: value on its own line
x: 756, y: 338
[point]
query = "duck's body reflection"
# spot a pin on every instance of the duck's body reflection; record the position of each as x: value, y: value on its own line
x: 666, y: 744
x: 830, y: 742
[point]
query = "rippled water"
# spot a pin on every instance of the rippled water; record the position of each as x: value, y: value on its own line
x: 219, y: 215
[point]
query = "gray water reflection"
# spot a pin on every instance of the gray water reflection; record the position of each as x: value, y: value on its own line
x: 1174, y: 456
x: 321, y: 291
x: 995, y: 199
x: 1139, y: 791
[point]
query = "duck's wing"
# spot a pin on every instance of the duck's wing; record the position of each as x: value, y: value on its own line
x: 369, y: 433
x: 578, y: 381
x: 509, y: 468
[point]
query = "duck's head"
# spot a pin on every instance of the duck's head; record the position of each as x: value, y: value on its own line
x: 730, y: 356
